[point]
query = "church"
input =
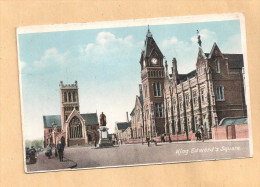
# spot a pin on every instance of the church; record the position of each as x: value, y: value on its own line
x: 71, y: 127
x: 177, y: 105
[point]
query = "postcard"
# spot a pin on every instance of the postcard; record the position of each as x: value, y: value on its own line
x: 134, y: 92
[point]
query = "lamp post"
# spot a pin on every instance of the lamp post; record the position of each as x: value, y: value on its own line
x: 54, y: 126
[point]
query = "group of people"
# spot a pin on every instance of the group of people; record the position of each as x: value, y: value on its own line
x: 59, y: 149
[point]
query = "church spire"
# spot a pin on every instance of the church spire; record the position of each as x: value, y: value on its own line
x: 199, y: 40
x: 149, y: 34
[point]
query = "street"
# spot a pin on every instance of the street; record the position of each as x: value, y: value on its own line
x: 131, y: 154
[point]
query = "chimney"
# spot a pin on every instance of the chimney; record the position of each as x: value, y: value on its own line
x: 127, y: 120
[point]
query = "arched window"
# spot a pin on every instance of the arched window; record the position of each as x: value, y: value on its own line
x: 69, y: 97
x: 74, y: 98
x: 75, y: 128
x: 65, y: 96
x: 138, y: 115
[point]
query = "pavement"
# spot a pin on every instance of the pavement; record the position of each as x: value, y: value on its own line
x: 43, y: 163
x: 141, y: 154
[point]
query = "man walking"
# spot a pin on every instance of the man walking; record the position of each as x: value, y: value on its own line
x: 60, y: 148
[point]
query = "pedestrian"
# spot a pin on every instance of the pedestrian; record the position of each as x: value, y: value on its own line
x: 49, y: 151
x: 60, y: 148
x: 202, y: 133
x: 147, y: 140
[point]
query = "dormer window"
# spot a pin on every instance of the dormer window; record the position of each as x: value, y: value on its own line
x: 217, y: 66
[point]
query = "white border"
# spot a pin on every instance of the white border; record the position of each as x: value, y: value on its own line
x: 142, y: 22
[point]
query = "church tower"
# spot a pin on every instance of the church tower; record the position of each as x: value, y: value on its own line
x: 152, y: 75
x: 69, y: 99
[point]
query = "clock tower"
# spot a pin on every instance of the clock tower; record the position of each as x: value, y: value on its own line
x: 152, y: 75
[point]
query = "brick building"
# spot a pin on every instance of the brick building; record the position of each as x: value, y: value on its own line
x: 179, y: 104
x: 73, y: 128
x: 120, y: 127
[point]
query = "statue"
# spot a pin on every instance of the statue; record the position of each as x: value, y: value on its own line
x: 103, y: 120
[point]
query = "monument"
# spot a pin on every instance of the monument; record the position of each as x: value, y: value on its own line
x: 103, y: 132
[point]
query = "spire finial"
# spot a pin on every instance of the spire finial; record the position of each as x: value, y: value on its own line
x: 148, y: 28
x: 199, y: 40
x: 149, y: 34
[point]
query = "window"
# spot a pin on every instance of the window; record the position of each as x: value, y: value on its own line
x: 187, y: 100
x: 157, y: 89
x: 202, y: 95
x: 145, y: 91
x: 174, y: 103
x: 180, y: 103
x: 159, y: 110
x: 196, y: 122
x: 74, y: 98
x: 138, y: 115
x: 65, y: 97
x: 220, y: 93
x: 69, y: 97
x: 217, y: 66
x: 50, y: 130
x: 194, y: 93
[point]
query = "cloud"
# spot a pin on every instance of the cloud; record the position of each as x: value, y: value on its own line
x: 107, y: 45
x: 169, y: 42
x: 51, y: 57
x: 232, y: 45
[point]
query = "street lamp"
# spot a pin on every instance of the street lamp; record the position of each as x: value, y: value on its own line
x: 54, y: 126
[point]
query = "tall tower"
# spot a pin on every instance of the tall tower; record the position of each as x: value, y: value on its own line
x: 152, y: 75
x: 69, y: 100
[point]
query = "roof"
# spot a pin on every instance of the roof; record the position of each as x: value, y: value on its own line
x: 184, y: 77
x: 233, y: 121
x: 123, y: 125
x: 90, y: 119
x: 48, y: 120
x: 149, y: 46
x: 133, y: 112
x: 141, y: 99
x: 234, y: 60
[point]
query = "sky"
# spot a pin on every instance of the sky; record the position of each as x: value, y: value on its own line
x: 105, y: 62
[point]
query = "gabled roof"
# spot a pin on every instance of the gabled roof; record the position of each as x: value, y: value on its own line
x: 150, y: 46
x: 141, y: 100
x: 90, y: 119
x: 123, y: 125
x: 48, y: 120
x: 184, y: 77
x: 133, y: 112
x: 215, y: 46
x: 234, y: 60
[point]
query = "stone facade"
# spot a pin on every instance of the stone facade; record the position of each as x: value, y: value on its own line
x: 72, y: 127
x: 180, y: 104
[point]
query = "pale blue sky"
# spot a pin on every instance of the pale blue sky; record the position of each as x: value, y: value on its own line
x: 105, y: 62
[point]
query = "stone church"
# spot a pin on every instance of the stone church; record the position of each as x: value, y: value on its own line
x: 72, y: 127
x: 179, y: 104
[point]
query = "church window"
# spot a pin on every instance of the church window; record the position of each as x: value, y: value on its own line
x: 217, y: 66
x: 138, y: 115
x: 157, y: 89
x: 69, y: 97
x: 220, y: 93
x: 75, y: 128
x: 159, y: 73
x: 159, y: 110
x: 194, y: 93
x: 65, y: 97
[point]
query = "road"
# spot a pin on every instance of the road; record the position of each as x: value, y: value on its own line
x: 90, y: 157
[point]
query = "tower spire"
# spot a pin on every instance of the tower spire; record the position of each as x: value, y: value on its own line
x: 149, y: 34
x: 199, y: 40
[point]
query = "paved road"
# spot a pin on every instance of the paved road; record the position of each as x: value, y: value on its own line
x: 89, y: 157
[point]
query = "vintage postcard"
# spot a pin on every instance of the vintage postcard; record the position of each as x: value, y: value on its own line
x: 134, y: 92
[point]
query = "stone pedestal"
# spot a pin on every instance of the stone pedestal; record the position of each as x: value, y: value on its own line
x: 103, y: 137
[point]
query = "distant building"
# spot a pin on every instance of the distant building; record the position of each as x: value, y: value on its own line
x: 73, y: 128
x: 120, y: 127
